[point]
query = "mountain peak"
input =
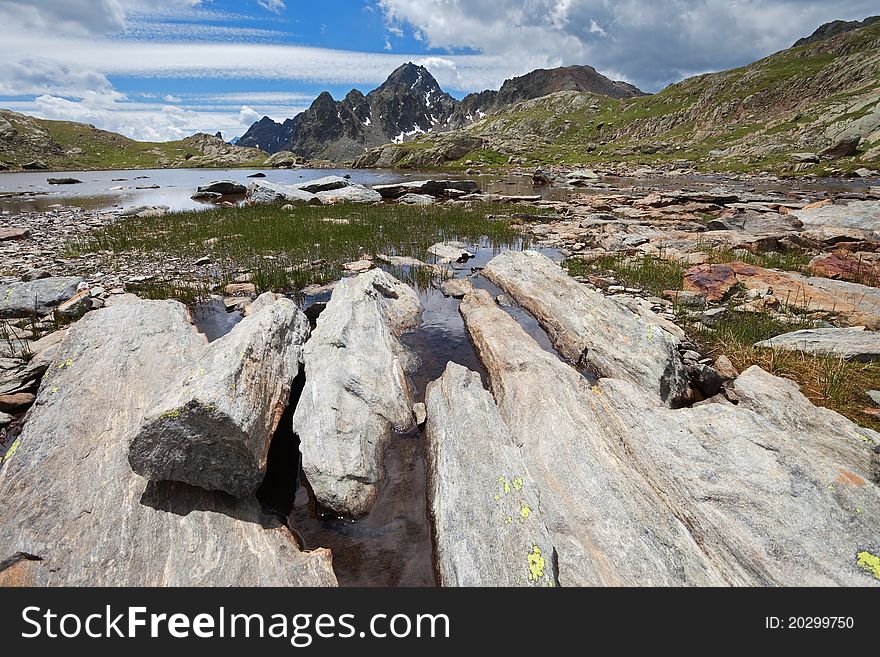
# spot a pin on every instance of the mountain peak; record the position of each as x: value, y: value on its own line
x: 412, y: 76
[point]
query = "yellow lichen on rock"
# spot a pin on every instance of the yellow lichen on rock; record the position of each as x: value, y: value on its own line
x: 536, y: 564
x: 869, y: 562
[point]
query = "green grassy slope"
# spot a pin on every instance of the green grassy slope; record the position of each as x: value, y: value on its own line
x: 78, y: 146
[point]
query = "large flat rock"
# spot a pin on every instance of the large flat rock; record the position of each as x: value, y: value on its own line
x: 852, y: 343
x: 73, y: 511
x: 356, y: 391
x: 856, y: 304
x: 773, y: 491
x: 213, y: 428
x: 485, y: 506
x: 591, y: 329
x: 38, y: 297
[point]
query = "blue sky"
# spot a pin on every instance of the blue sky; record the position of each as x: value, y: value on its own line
x: 164, y: 69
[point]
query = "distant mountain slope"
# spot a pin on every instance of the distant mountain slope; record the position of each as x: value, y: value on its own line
x: 79, y: 146
x: 538, y: 83
x: 799, y: 100
x: 834, y: 28
x: 410, y: 102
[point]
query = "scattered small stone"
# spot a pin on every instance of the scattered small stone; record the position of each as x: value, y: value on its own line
x: 17, y: 402
x: 240, y: 289
x: 420, y: 413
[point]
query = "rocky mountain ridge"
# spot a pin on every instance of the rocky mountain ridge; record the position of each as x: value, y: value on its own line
x: 410, y: 102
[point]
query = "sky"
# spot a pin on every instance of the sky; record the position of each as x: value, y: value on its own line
x: 158, y: 70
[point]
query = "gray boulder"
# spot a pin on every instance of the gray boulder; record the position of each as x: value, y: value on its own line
x: 263, y: 192
x: 353, y: 193
x: 485, y: 507
x: 224, y: 187
x: 36, y: 297
x: 74, y: 513
x: 325, y: 184
x: 629, y: 345
x: 356, y: 393
x: 213, y: 428
x: 450, y: 252
x: 851, y: 343
x: 416, y: 199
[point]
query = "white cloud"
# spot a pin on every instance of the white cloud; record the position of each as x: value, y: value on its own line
x: 276, y: 6
x: 248, y: 116
x: 169, y: 98
x: 650, y: 43
x: 252, y: 61
x: 387, y: 43
x: 142, y: 121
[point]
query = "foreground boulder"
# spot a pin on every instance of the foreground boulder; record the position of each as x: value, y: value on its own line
x: 38, y: 297
x: 486, y: 508
x: 853, y: 343
x: 213, y: 428
x: 773, y: 491
x: 856, y: 304
x: 356, y: 391
x: 590, y: 329
x: 73, y: 511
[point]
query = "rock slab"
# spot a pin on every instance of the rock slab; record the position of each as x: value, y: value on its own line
x: 591, y: 330
x: 40, y: 297
x: 356, y: 390
x: 851, y: 343
x: 484, y: 504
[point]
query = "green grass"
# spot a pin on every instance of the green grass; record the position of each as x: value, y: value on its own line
x: 784, y: 261
x: 826, y: 380
x: 646, y: 272
x: 286, y: 250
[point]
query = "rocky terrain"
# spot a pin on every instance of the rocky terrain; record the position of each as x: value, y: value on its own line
x: 598, y: 423
x: 811, y: 109
x: 28, y: 143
